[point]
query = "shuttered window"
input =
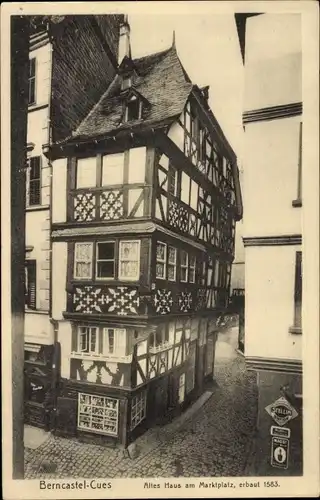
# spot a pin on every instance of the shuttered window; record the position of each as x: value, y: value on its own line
x: 30, y: 283
x: 34, y: 181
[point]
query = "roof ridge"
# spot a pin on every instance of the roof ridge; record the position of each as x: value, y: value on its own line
x: 160, y: 52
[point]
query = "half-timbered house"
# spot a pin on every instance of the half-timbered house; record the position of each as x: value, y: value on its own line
x: 145, y: 198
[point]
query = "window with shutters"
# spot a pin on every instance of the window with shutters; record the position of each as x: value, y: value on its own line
x: 34, y: 181
x: 32, y: 81
x: 30, y: 284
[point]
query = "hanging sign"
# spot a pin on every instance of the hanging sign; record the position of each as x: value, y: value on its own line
x: 280, y: 452
x: 281, y: 411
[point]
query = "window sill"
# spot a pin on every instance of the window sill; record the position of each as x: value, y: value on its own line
x: 37, y: 208
x: 297, y: 203
x: 105, y: 357
x: 35, y: 107
x: 295, y: 329
x: 163, y: 347
x: 36, y: 311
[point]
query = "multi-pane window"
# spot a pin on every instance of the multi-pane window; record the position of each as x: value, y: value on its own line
x: 34, y: 181
x: 105, y: 260
x: 105, y: 256
x: 114, y: 341
x: 32, y: 81
x: 172, y: 263
x: 88, y: 340
x: 30, y: 283
x: 83, y: 260
x: 99, y: 341
x: 98, y: 414
x: 129, y: 260
x: 161, y: 260
x: 192, y: 269
x: 184, y: 263
x: 138, y: 409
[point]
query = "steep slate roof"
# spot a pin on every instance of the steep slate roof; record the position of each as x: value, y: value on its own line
x: 161, y: 80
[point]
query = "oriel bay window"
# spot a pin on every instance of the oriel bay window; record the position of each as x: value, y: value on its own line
x: 95, y: 341
x: 98, y: 414
x: 107, y: 260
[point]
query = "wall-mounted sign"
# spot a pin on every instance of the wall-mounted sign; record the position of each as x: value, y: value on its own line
x: 280, y: 452
x: 280, y: 431
x: 281, y: 411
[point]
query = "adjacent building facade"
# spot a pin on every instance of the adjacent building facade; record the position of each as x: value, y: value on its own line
x: 273, y: 120
x: 65, y: 54
x: 145, y: 197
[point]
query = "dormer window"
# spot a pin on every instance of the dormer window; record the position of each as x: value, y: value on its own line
x: 133, y: 109
x: 126, y: 83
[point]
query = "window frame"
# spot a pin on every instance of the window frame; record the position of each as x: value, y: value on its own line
x: 192, y: 267
x: 32, y: 79
x: 182, y: 385
x: 162, y: 261
x: 138, y: 402
x: 96, y: 260
x: 89, y: 261
x: 184, y: 266
x: 172, y: 264
x: 129, y: 102
x: 120, y: 260
x: 90, y: 414
x: 88, y: 334
x: 116, y: 345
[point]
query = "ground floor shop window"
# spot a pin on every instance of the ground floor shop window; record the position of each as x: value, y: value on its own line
x: 138, y: 409
x: 98, y: 414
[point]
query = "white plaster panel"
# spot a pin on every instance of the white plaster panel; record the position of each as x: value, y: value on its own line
x: 59, y: 273
x: 59, y: 190
x: 38, y: 328
x: 269, y: 311
x: 271, y: 178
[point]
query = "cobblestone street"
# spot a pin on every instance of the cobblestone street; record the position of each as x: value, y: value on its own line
x: 216, y: 441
